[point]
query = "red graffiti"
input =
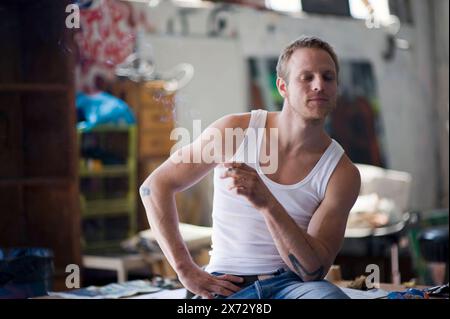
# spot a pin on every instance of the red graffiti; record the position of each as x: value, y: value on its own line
x: 107, y: 37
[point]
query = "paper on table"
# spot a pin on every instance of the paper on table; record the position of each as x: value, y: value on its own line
x: 111, y: 291
x: 367, y: 294
x: 164, y: 294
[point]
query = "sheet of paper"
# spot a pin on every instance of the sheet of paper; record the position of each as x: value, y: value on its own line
x: 111, y: 291
x: 369, y: 294
x: 164, y: 294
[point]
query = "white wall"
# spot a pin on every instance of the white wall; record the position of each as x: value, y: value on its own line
x: 404, y: 84
x: 218, y: 86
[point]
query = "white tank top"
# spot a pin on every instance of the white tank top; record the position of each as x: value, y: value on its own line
x: 241, y: 241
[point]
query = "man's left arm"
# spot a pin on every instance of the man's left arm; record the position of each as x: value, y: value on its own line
x: 307, y: 253
x: 310, y: 254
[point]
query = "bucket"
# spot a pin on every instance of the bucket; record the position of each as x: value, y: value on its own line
x: 25, y: 272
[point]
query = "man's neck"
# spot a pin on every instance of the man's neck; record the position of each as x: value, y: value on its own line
x: 296, y: 134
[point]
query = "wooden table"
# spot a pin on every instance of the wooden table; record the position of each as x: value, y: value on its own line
x: 197, y: 239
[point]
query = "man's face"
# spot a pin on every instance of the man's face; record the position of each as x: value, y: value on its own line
x: 312, y: 87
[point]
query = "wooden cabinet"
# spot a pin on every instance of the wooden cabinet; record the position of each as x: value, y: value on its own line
x: 154, y: 110
x: 39, y: 203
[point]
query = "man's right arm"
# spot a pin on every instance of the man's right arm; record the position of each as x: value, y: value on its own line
x: 158, y: 196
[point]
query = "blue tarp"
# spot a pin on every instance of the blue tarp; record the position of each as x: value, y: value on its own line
x: 102, y: 108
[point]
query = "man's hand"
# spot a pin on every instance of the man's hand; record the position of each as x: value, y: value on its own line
x: 247, y: 182
x: 202, y: 283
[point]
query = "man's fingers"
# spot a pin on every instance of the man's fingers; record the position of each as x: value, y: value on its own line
x: 232, y: 172
x: 239, y: 189
x: 242, y: 191
x: 221, y: 285
x: 245, y: 167
x: 236, y: 172
x: 230, y: 286
x: 240, y: 165
x: 231, y: 278
x: 221, y: 290
x: 241, y: 182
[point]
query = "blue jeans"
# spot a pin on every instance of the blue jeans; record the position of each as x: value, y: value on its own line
x: 287, y: 285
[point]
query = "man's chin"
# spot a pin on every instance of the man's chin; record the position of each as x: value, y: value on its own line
x: 321, y: 116
x: 319, y: 113
x: 313, y: 113
x: 314, y: 118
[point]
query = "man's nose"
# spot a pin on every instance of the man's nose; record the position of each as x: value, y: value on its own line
x: 317, y: 84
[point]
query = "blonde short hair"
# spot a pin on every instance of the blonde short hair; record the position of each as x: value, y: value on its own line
x: 303, y: 42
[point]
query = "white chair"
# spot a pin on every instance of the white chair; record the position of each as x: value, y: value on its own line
x: 387, y: 183
x: 393, y: 185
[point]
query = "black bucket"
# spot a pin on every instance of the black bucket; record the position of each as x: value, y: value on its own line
x: 25, y: 272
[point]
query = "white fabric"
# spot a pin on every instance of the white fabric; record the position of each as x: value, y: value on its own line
x: 386, y: 183
x: 241, y: 241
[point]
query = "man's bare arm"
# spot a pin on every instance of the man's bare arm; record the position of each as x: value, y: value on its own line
x: 310, y: 254
x: 158, y: 196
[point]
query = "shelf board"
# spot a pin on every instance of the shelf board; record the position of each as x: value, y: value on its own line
x: 108, y: 207
x: 99, y: 246
x: 36, y: 181
x: 106, y: 171
x: 33, y: 87
x: 108, y: 128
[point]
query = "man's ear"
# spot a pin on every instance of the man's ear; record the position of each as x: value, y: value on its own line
x: 282, y: 87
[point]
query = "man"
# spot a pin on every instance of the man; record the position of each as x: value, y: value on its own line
x: 275, y: 233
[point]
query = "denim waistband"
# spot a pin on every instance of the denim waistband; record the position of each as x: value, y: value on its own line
x: 249, y: 279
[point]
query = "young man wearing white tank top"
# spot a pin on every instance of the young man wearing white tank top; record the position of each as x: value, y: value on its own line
x: 276, y: 228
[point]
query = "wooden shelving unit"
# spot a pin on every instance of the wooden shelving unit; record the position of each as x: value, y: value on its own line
x: 56, y: 181
x: 39, y: 201
x: 108, y: 213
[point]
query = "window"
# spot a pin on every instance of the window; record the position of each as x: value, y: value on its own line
x: 190, y: 3
x: 284, y: 5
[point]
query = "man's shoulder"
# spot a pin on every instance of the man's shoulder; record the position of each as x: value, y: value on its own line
x: 346, y: 174
x: 235, y: 120
x: 344, y: 185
